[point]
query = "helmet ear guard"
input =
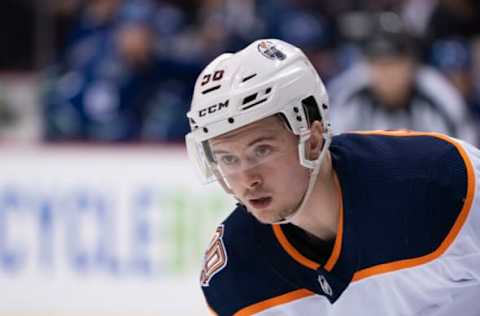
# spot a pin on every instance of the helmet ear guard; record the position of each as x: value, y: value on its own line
x: 312, y: 112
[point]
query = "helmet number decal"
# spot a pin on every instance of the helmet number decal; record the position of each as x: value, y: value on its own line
x: 217, y: 75
x: 215, y: 258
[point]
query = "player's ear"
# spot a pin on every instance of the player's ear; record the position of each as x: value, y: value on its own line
x: 316, y: 140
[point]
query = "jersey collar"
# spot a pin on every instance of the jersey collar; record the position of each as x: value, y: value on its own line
x: 330, y: 279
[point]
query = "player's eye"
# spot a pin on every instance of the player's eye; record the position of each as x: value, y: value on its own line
x: 262, y: 151
x: 229, y: 160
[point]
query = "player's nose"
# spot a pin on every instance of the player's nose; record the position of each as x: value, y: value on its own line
x: 251, y: 178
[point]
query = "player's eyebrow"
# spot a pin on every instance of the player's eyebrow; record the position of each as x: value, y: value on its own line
x: 253, y: 142
x: 261, y: 139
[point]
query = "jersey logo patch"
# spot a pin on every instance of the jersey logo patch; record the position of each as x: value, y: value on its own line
x: 215, y: 258
x: 324, y: 285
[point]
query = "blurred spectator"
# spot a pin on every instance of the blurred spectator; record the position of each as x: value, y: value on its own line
x: 124, y: 69
x: 457, y: 20
x: 106, y: 87
x: 392, y: 90
x: 219, y: 26
x: 453, y: 57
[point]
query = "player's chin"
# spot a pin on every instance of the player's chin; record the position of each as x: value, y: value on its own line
x: 262, y: 215
x: 267, y: 216
x: 264, y: 219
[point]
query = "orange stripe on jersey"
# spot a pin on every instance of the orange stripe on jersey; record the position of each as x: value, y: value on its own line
x: 398, y: 132
x: 297, y: 256
x: 408, y: 263
x: 274, y: 301
x: 294, y: 253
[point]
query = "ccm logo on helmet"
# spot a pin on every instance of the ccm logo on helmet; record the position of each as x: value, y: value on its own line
x: 213, y: 108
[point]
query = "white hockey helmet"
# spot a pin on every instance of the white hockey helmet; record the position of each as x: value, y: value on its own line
x: 266, y: 78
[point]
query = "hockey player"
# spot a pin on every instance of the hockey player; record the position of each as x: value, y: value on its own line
x: 372, y: 223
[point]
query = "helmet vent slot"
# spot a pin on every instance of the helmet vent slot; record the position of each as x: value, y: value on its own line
x: 211, y: 89
x: 248, y: 77
x: 249, y: 99
x: 311, y: 109
x: 254, y: 104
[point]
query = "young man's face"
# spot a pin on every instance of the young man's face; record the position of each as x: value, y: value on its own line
x: 260, y: 164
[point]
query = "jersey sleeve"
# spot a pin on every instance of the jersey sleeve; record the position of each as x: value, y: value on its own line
x: 236, y: 272
x: 227, y: 265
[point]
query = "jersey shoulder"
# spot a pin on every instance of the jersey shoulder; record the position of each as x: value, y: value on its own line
x: 402, y: 156
x: 409, y: 184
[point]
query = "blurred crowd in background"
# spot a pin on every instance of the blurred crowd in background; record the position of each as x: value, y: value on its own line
x: 124, y: 70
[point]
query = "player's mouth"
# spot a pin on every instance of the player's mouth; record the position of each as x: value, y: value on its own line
x: 261, y: 202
